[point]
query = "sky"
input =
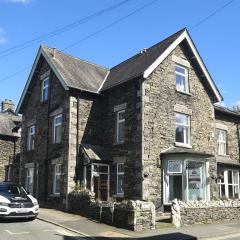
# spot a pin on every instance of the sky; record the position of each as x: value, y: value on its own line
x: 216, y: 38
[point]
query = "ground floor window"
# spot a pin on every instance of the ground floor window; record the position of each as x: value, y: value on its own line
x: 57, y: 178
x: 228, y: 183
x: 29, y: 180
x: 120, y: 178
x: 185, y: 180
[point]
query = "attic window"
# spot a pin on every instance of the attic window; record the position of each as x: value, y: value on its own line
x: 181, y: 79
x: 45, y: 89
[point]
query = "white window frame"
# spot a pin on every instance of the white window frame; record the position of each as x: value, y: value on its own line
x: 29, y: 176
x: 118, y: 123
x: 226, y: 183
x: 119, y: 173
x: 185, y: 75
x: 31, y: 137
x: 184, y: 174
x: 55, y: 125
x: 57, y: 172
x: 221, y: 142
x: 187, y: 135
x: 44, y: 88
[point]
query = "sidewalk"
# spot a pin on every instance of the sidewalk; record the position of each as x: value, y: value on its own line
x: 95, y: 230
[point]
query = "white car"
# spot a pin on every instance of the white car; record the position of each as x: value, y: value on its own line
x: 15, y: 202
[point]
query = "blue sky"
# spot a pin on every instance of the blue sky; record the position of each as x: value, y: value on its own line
x: 217, y: 39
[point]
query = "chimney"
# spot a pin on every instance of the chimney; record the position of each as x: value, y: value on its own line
x: 7, y: 104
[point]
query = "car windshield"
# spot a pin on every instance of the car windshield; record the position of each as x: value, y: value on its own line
x: 12, y: 189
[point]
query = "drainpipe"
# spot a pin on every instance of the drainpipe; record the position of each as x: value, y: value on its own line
x: 238, y: 135
x: 77, y: 142
x: 142, y: 129
x: 47, y: 145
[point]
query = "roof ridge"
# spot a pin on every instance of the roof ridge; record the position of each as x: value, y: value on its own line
x: 77, y: 58
x: 165, y: 39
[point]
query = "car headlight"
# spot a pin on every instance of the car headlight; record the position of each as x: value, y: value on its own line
x: 4, y: 204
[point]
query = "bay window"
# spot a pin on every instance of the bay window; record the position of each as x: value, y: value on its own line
x: 228, y: 183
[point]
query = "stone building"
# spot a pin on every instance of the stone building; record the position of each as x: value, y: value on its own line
x: 9, y: 142
x: 145, y: 129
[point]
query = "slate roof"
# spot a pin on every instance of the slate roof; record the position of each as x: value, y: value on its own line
x: 179, y: 150
x: 77, y: 73
x: 8, y: 122
x: 95, y: 152
x: 221, y: 109
x: 136, y: 65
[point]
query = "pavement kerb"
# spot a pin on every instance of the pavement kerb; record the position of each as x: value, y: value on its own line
x: 67, y: 228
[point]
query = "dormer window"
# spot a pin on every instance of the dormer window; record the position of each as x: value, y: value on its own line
x: 181, y: 79
x: 45, y: 89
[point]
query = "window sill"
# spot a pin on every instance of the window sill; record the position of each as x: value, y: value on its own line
x: 118, y: 143
x: 185, y: 93
x: 118, y: 195
x: 177, y: 144
x: 55, y: 195
x: 223, y: 155
x: 29, y: 151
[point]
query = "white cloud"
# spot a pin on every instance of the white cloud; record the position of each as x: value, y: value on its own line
x: 2, y: 37
x: 17, y: 1
x: 2, y: 40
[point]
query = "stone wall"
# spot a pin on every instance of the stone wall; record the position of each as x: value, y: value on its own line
x: 204, y: 212
x: 230, y: 124
x: 132, y: 215
x: 8, y: 145
x: 160, y: 102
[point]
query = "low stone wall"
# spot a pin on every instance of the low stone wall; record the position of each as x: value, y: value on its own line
x: 132, y: 215
x: 200, y: 212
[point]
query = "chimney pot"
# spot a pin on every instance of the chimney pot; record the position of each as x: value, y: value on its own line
x: 54, y: 52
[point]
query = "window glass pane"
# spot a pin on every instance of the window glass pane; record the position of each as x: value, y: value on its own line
x: 230, y: 191
x: 57, y: 186
x: 180, y: 69
x: 180, y: 83
x: 120, y: 183
x: 195, y: 181
x: 174, y: 166
x: 223, y: 194
x: 121, y: 115
x: 175, y: 187
x: 182, y: 119
x: 235, y: 177
x: 120, y: 167
x: 236, y: 192
x: 121, y: 130
x: 58, y: 119
x: 58, y: 133
x: 230, y: 177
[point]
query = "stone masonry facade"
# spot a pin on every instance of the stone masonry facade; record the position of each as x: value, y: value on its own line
x: 150, y: 106
x: 45, y: 153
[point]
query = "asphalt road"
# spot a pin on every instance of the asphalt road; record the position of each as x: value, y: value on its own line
x: 34, y: 230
